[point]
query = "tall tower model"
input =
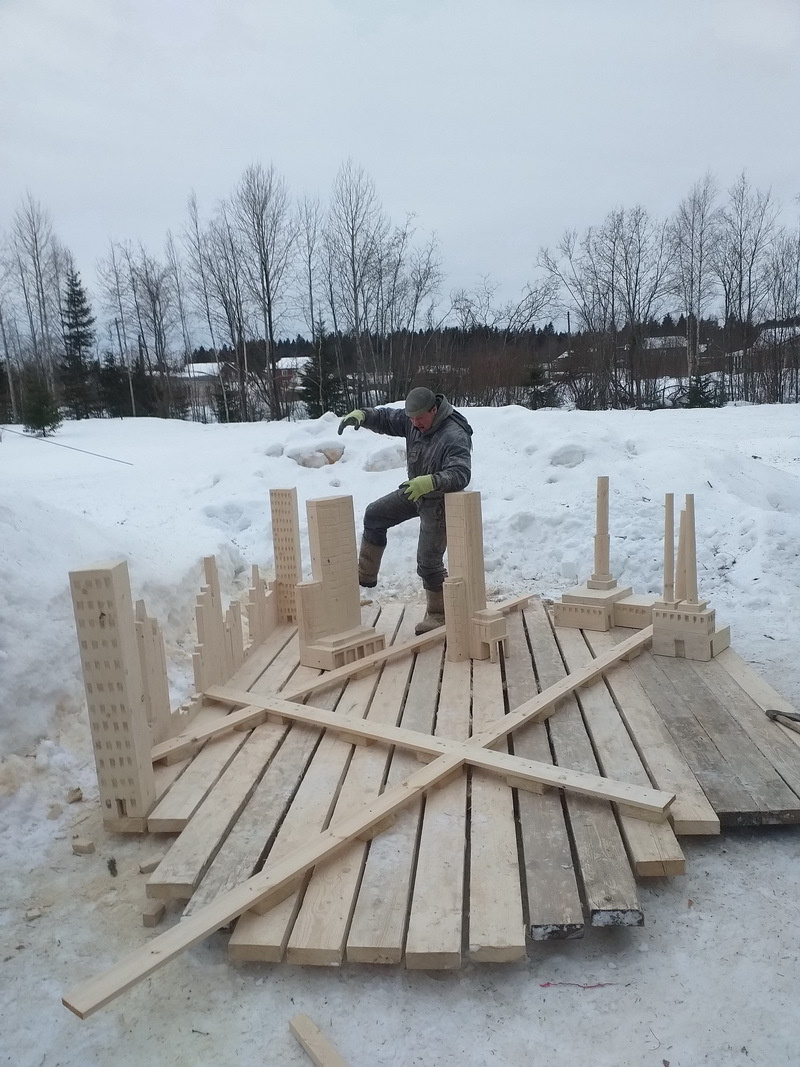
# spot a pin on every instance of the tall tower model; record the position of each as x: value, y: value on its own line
x: 684, y: 627
x: 112, y: 674
x: 286, y: 547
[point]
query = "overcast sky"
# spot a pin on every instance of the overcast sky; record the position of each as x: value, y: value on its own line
x: 498, y: 123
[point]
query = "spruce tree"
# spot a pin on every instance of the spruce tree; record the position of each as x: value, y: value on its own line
x: 321, y: 388
x: 40, y: 412
x: 78, y: 380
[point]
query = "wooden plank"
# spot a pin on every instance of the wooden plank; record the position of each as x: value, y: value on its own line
x: 265, y: 936
x: 542, y: 706
x: 551, y: 902
x: 190, y: 856
x: 262, y: 657
x: 362, y: 666
x: 255, y: 830
x: 320, y: 931
x: 775, y: 745
x: 716, y: 777
x: 377, y: 929
x: 609, y: 889
x: 770, y: 799
x: 166, y: 774
x: 315, y: 1044
x: 436, y: 918
x: 173, y: 811
x: 643, y: 801
x: 241, y: 852
x: 652, y: 848
x: 691, y: 812
x: 496, y: 921
x: 756, y: 687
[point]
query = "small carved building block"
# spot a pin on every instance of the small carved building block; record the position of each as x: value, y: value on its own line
x: 688, y: 631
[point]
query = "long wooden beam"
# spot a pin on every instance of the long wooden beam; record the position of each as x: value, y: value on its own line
x: 649, y: 804
x: 272, y: 882
x: 189, y: 739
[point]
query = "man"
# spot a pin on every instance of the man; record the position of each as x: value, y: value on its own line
x: 438, y: 453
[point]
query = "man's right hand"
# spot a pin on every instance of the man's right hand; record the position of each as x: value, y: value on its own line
x: 353, y: 418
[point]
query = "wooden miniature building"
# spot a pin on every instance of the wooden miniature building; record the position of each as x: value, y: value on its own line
x: 684, y: 627
x: 329, y: 607
x: 600, y: 603
x: 286, y: 548
x: 473, y: 630
x: 115, y: 696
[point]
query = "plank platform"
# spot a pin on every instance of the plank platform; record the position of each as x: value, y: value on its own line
x: 480, y: 867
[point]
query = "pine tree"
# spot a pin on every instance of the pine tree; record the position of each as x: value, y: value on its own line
x: 705, y: 392
x: 115, y: 396
x: 78, y: 380
x: 321, y: 389
x: 40, y: 412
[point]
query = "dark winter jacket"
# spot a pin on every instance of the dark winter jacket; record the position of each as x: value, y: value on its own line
x: 444, y: 451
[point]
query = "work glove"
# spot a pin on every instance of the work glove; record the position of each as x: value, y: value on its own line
x: 354, y: 419
x: 417, y: 487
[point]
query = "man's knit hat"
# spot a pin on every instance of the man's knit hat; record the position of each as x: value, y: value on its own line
x: 419, y: 400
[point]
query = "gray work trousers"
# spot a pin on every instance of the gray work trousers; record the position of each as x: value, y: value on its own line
x: 395, y: 508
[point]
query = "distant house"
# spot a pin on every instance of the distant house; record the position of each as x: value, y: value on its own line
x: 202, y: 379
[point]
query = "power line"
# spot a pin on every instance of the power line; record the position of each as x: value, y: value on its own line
x: 72, y: 448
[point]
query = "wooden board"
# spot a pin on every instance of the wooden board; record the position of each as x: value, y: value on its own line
x: 551, y: 901
x: 739, y: 781
x: 378, y: 927
x: 436, y: 917
x: 652, y: 848
x: 691, y: 812
x: 496, y: 921
x: 608, y: 886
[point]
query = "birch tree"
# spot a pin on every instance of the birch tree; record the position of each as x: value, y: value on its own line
x: 268, y: 232
x: 693, y: 232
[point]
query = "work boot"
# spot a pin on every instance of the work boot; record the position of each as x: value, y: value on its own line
x: 434, y: 616
x: 369, y: 563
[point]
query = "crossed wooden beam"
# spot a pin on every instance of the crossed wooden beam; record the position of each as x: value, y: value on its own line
x: 271, y: 885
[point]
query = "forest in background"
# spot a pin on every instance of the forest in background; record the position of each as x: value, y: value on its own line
x: 700, y: 308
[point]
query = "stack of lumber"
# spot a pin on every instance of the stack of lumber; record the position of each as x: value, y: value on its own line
x: 315, y: 830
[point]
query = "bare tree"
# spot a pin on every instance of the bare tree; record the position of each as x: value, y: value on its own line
x: 643, y: 259
x: 112, y: 276
x: 693, y: 232
x: 38, y: 260
x: 226, y: 284
x: 584, y: 271
x: 309, y: 237
x: 779, y: 346
x: 741, y: 258
x: 269, y: 232
x: 196, y: 242
x: 354, y: 237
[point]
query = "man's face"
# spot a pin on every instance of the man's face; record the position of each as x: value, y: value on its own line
x: 424, y: 422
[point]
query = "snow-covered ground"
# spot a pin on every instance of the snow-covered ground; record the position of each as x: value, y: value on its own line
x: 709, y: 980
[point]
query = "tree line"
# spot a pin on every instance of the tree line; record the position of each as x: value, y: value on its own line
x: 722, y: 272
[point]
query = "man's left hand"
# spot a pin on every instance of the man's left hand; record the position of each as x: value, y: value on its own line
x: 418, y: 487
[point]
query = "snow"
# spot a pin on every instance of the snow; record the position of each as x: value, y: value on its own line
x: 711, y: 977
